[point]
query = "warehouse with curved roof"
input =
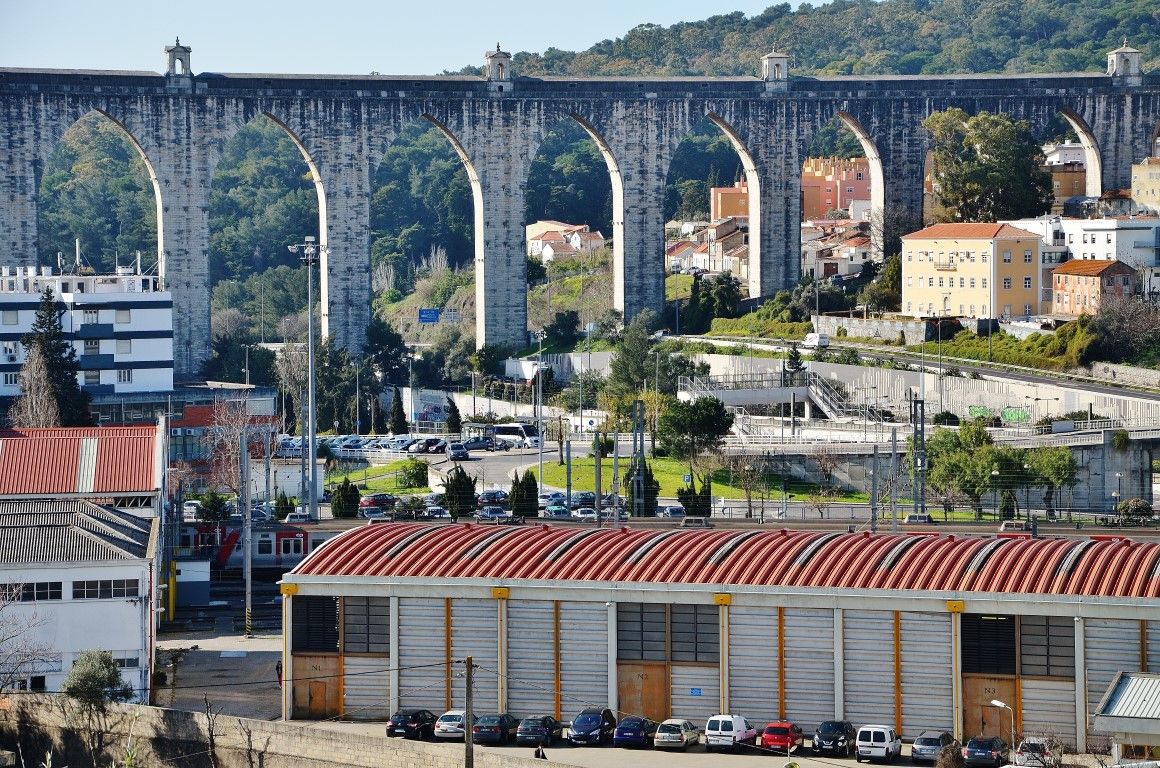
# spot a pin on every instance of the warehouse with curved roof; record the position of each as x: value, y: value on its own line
x: 921, y: 630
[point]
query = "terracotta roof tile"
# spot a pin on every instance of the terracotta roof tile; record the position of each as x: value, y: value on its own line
x: 969, y: 230
x: 1092, y: 267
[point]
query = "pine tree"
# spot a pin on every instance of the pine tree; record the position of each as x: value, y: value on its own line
x: 454, y: 420
x: 397, y: 422
x: 650, y: 490
x: 60, y: 360
x: 529, y: 496
x: 459, y: 493
x: 793, y: 361
x: 516, y: 494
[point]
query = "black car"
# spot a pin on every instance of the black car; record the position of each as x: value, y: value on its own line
x: 582, y: 499
x: 985, y: 750
x: 592, y: 726
x: 835, y: 737
x: 412, y: 724
x: 634, y: 732
x: 494, y: 729
x: 539, y: 731
x: 492, y: 498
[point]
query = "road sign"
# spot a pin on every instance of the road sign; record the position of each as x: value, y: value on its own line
x: 694, y: 691
x: 428, y: 315
x: 688, y: 478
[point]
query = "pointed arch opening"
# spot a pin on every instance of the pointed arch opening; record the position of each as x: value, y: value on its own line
x: 751, y: 274
x: 1093, y: 164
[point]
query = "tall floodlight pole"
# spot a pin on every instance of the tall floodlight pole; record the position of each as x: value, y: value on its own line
x: 310, y: 253
x: 540, y: 408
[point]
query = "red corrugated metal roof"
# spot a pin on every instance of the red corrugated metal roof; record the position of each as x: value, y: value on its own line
x: 1098, y: 567
x: 52, y: 461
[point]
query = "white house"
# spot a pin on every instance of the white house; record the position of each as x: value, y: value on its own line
x: 120, y: 325
x: 1134, y: 240
x: 76, y: 576
x: 1064, y: 153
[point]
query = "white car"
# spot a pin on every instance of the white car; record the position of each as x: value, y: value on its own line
x: 585, y: 513
x: 672, y: 510
x: 727, y: 731
x: 878, y: 742
x: 450, y: 725
x: 676, y: 734
x: 1033, y: 751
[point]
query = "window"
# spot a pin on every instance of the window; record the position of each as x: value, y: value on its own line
x: 123, y: 316
x: 266, y: 547
x: 1027, y: 257
x: 124, y: 346
x: 972, y: 315
x: 907, y: 309
x: 292, y: 546
x: 930, y: 282
x: 972, y: 285
x: 940, y: 285
x: 10, y: 350
x: 962, y: 284
x: 692, y: 632
x: 1006, y: 257
x: 126, y: 661
x: 12, y: 379
x: 314, y: 624
x: 1026, y: 283
x: 92, y: 378
x: 640, y: 632
x: 983, y: 257
x: 104, y: 588
x: 1070, y: 239
x: 988, y: 644
x: 960, y: 312
x: 857, y: 176
x: 10, y: 317
x: 90, y: 316
x: 1047, y: 646
x: 1027, y: 309
x: 366, y: 625
x: 984, y: 282
x: 1006, y: 283
x: 1109, y: 241
x: 31, y: 592
x: 92, y: 347
x: 125, y: 376
x: 909, y: 283
x: 909, y: 257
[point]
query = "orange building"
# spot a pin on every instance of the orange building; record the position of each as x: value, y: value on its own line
x: 1067, y: 180
x: 832, y: 183
x: 1079, y: 285
x: 729, y: 202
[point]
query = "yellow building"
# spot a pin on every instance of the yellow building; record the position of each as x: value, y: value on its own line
x: 1146, y: 184
x: 970, y: 270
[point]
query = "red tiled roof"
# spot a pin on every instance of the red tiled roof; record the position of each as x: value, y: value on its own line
x: 1091, y: 267
x: 96, y: 460
x: 969, y: 230
x: 1097, y: 567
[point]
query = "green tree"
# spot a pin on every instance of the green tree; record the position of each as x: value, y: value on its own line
x: 344, y: 500
x: 486, y: 359
x: 1055, y: 468
x: 454, y: 420
x: 387, y: 353
x: 724, y: 292
x: 529, y: 500
x: 987, y: 166
x: 213, y: 508
x: 564, y: 328
x: 397, y: 421
x: 793, y: 361
x: 1134, y: 511
x: 884, y: 293
x: 697, y: 503
x: 228, y: 362
x: 459, y: 493
x: 630, y: 367
x: 283, y: 506
x: 516, y: 493
x: 688, y: 429
x: 60, y: 360
x: 95, y: 681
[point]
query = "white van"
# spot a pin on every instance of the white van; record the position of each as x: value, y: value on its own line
x: 297, y: 518
x: 878, y: 742
x: 727, y: 731
x: 816, y: 341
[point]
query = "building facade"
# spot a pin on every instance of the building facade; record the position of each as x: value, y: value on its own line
x: 1146, y: 184
x: 833, y: 184
x: 971, y: 270
x: 921, y: 631
x: 1081, y: 286
x: 121, y: 327
x: 730, y: 202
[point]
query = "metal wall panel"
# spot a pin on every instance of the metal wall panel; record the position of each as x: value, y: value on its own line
x: 475, y: 633
x: 1154, y: 646
x: 868, y: 645
x: 421, y: 653
x: 695, y: 692
x: 809, y: 666
x: 1111, y: 645
x: 531, y: 666
x: 366, y: 687
x: 753, y: 662
x: 1048, y: 708
x: 583, y: 656
x: 927, y: 688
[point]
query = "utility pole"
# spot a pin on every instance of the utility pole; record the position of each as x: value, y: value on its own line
x: 568, y: 470
x: 540, y: 409
x: 247, y: 526
x: 468, y: 717
x: 874, y: 491
x: 894, y: 479
x: 596, y: 464
x: 310, y: 257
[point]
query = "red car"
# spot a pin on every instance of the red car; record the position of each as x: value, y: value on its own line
x: 781, y: 736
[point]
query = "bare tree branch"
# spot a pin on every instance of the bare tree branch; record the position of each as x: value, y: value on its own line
x: 36, y: 406
x: 21, y: 653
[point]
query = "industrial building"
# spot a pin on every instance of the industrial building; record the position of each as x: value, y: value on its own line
x: 921, y: 630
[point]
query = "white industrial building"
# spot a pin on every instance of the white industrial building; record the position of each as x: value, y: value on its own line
x: 120, y: 325
x: 920, y: 630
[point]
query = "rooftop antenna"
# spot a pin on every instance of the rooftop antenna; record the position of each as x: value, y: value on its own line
x: 60, y: 262
x: 138, y: 262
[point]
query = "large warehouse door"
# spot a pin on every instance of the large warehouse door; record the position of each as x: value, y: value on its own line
x: 583, y: 656
x: 475, y: 633
x: 531, y: 667
x: 366, y: 688
x: 1048, y: 708
x: 421, y: 653
x: 753, y: 662
x: 1154, y: 646
x: 868, y: 643
x: 1112, y: 645
x: 927, y: 690
x: 696, y: 692
x: 809, y: 666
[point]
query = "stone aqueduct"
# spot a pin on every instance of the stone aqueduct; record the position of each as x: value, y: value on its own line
x: 181, y: 122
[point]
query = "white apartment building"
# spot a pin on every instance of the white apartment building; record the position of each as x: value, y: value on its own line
x: 1064, y: 153
x: 121, y: 327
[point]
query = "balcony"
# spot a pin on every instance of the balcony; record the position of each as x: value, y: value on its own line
x: 95, y: 362
x: 945, y: 266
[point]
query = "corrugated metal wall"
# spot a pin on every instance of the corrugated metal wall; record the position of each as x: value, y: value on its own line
x: 421, y: 653
x: 531, y: 666
x: 753, y: 662
x: 868, y: 643
x: 1048, y: 708
x: 809, y: 666
x: 1154, y: 646
x: 475, y: 633
x: 583, y: 656
x: 927, y: 689
x: 366, y: 687
x: 696, y: 692
x: 1111, y: 645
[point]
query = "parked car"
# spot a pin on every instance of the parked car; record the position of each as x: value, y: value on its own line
x: 816, y: 341
x: 877, y: 742
x: 494, y: 729
x: 551, y: 498
x: 1013, y: 525
x: 582, y: 499
x: 673, y: 510
x: 421, y: 445
x: 490, y: 514
x: 835, y: 737
x: 592, y: 726
x: 634, y: 732
x: 585, y: 513
x: 541, y: 730
x: 450, y: 724
x: 917, y: 518
x: 435, y: 512
x: 676, y: 734
x: 727, y: 731
x: 456, y: 452
x: 1033, y: 751
x: 372, y: 513
x: 439, y: 446
x: 558, y: 511
x: 782, y: 736
x: 478, y: 444
x: 384, y: 500
x: 492, y: 497
x: 412, y: 724
x: 928, y: 745
x: 696, y: 522
x: 985, y: 750
x: 298, y: 518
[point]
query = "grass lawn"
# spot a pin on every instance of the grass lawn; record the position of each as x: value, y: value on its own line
x: 678, y: 287
x: 379, y: 479
x: 670, y: 473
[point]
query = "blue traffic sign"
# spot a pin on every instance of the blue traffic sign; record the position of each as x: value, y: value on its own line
x: 688, y: 478
x: 428, y: 315
x: 694, y: 691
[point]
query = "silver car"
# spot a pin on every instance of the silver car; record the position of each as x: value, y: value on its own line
x: 676, y: 734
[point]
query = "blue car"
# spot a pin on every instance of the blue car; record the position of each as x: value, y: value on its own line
x: 634, y: 732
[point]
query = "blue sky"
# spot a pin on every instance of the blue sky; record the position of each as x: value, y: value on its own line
x: 331, y: 36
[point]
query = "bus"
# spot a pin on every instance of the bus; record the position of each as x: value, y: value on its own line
x: 518, y: 433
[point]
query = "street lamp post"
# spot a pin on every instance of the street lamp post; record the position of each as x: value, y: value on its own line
x: 1001, y: 705
x: 942, y: 314
x: 995, y: 490
x: 1116, y: 493
x: 1027, y: 490
x: 540, y: 408
x: 310, y: 255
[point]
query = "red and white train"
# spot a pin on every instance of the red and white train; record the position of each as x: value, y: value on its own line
x: 274, y: 545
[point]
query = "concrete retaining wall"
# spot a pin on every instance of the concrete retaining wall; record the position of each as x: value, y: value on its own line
x: 167, y: 737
